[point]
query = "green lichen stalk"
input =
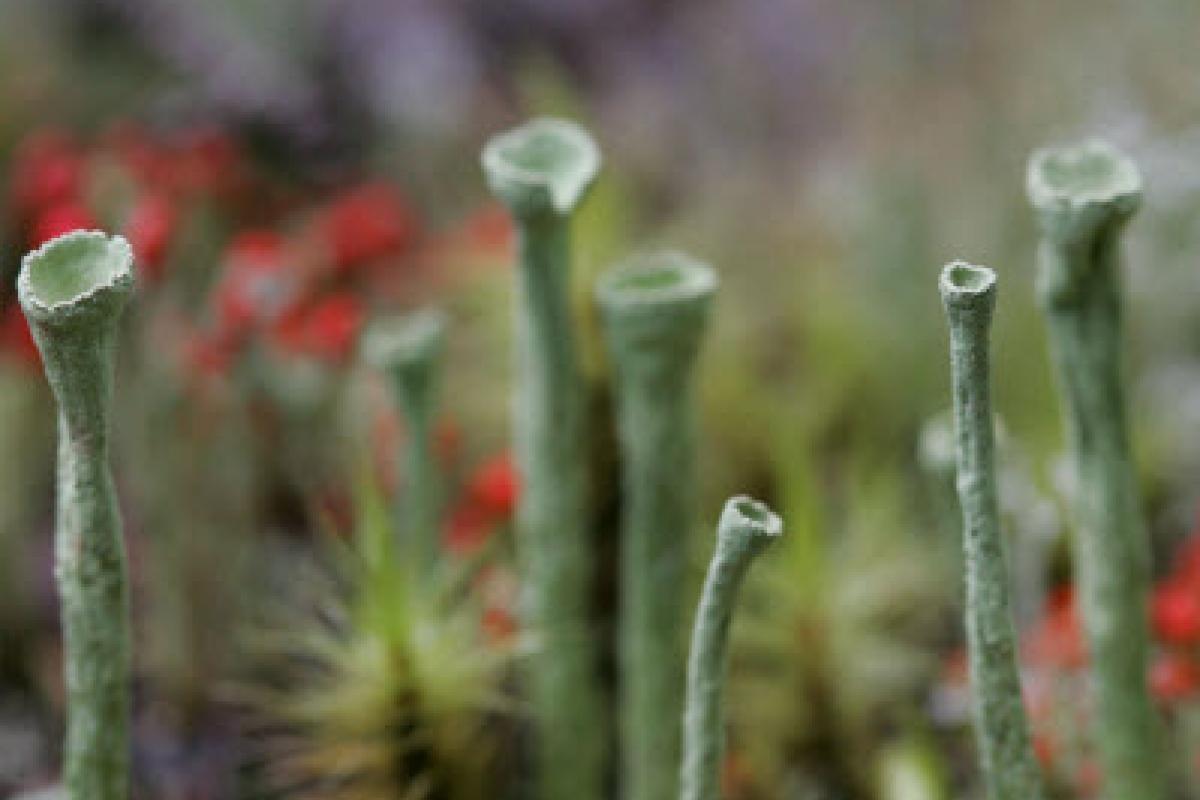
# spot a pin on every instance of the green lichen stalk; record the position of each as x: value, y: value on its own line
x: 541, y: 171
x: 746, y: 528
x: 73, y: 290
x: 1083, y: 196
x: 408, y: 350
x: 1001, y: 729
x: 654, y: 310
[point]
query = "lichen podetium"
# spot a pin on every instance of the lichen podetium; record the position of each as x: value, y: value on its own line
x: 1001, y: 728
x: 73, y: 290
x: 541, y: 171
x: 654, y: 310
x: 407, y: 349
x: 746, y: 528
x: 1084, y: 195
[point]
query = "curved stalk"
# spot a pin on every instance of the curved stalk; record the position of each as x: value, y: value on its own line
x: 1001, y: 729
x: 541, y: 171
x: 654, y: 311
x: 746, y: 528
x: 73, y: 290
x: 1083, y: 196
x: 408, y: 350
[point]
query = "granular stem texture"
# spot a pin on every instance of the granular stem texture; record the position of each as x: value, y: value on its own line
x: 541, y: 171
x: 73, y: 291
x: 1083, y: 196
x: 746, y: 528
x: 654, y: 310
x: 1001, y: 728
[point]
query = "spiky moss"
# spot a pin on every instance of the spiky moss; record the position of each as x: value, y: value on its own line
x: 408, y: 350
x: 378, y: 681
x: 541, y: 171
x: 838, y: 640
x: 1001, y: 729
x: 73, y: 291
x: 1084, y: 195
x: 746, y: 528
x: 654, y: 310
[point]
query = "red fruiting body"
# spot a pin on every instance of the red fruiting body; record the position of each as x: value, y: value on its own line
x: 47, y: 170
x: 499, y: 624
x: 149, y: 228
x: 59, y: 219
x: 467, y: 529
x: 494, y: 486
x: 1057, y: 640
x: 1176, y: 612
x: 1174, y: 677
x: 255, y: 286
x: 365, y: 224
x: 327, y: 329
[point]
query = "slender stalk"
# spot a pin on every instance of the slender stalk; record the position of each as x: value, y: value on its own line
x: 541, y: 171
x: 73, y: 290
x: 746, y: 528
x: 408, y: 349
x: 1001, y: 729
x: 654, y: 311
x: 1083, y: 196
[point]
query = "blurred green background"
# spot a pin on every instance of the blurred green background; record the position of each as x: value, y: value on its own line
x: 290, y: 170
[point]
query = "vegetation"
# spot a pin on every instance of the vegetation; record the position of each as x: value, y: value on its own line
x: 334, y: 587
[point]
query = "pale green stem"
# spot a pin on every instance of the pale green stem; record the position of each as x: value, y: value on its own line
x: 654, y: 312
x: 408, y: 350
x: 1001, y: 729
x: 1083, y: 196
x: 745, y: 530
x: 73, y: 291
x: 541, y: 171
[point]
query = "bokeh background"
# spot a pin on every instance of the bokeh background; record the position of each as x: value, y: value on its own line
x: 289, y: 171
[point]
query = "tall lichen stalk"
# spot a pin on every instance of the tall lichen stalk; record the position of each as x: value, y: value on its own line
x: 746, y: 528
x: 1084, y: 195
x: 408, y: 351
x: 541, y: 171
x: 654, y: 310
x: 1001, y: 728
x: 73, y: 291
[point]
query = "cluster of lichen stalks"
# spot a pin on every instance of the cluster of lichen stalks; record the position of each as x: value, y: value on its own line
x: 1083, y: 195
x: 653, y: 311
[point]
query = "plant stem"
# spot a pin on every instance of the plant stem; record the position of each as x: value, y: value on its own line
x: 1083, y: 196
x: 541, y: 171
x: 654, y: 312
x: 745, y: 530
x: 1001, y: 729
x: 408, y: 349
x: 73, y: 291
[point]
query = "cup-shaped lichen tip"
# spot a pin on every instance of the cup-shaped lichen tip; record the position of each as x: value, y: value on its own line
x: 412, y: 338
x: 967, y: 286
x: 1079, y: 186
x: 545, y: 165
x: 75, y: 273
x: 749, y: 520
x: 657, y: 280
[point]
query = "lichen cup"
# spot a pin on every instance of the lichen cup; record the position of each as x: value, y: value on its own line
x: 654, y: 308
x: 541, y: 171
x: 73, y: 291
